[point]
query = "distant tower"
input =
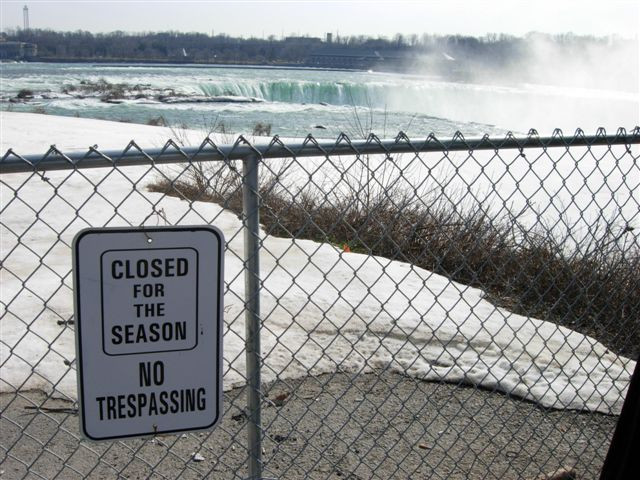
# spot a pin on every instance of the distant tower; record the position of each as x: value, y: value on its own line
x: 25, y: 12
x: 329, y: 37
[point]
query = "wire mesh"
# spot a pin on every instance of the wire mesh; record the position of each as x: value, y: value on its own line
x: 459, y: 309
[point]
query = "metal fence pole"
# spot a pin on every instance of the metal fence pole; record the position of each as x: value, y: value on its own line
x: 251, y: 206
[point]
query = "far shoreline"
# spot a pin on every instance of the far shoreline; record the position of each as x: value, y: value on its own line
x: 124, y: 63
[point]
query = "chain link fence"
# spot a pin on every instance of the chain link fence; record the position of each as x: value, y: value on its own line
x: 393, y: 308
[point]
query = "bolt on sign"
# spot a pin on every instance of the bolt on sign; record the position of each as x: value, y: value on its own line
x: 148, y: 310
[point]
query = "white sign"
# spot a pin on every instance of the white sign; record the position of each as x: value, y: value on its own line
x: 148, y: 311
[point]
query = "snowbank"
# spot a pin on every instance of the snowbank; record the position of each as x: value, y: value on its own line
x: 322, y: 309
x: 28, y: 133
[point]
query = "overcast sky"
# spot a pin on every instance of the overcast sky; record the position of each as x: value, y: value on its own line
x: 347, y: 17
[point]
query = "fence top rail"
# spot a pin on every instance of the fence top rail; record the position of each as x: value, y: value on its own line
x: 208, y: 150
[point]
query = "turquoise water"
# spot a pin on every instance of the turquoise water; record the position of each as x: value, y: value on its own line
x: 323, y: 103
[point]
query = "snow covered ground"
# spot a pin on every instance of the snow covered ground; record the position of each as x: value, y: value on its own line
x: 323, y: 309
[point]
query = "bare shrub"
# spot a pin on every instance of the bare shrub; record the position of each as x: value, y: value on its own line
x: 262, y: 129
x: 593, y: 287
x: 221, y: 182
x: 588, y: 282
x: 158, y: 121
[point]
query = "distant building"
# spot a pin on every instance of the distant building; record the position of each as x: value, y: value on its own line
x: 329, y: 37
x: 307, y: 41
x: 17, y: 50
x: 358, y: 58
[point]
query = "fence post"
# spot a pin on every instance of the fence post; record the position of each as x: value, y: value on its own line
x: 250, y: 207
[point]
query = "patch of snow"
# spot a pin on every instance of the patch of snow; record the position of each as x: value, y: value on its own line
x: 28, y: 133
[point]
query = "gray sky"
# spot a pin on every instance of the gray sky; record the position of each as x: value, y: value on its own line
x: 348, y: 17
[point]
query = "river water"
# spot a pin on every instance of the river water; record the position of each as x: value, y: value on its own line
x: 296, y: 102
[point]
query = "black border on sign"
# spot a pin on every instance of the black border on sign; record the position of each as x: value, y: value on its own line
x: 78, y: 324
x: 102, y: 298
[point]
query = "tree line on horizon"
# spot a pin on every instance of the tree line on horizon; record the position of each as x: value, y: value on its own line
x: 533, y: 55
